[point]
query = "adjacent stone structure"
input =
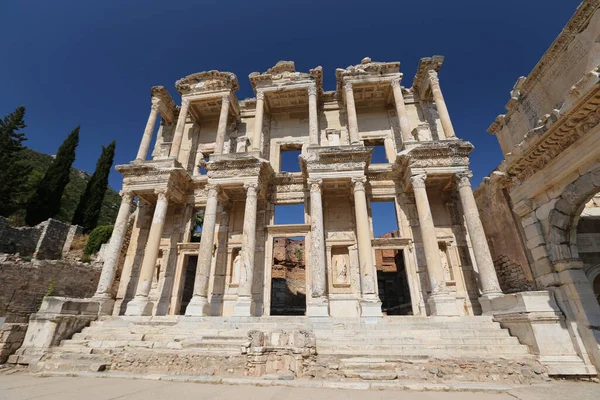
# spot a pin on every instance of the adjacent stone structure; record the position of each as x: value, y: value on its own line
x: 533, y: 204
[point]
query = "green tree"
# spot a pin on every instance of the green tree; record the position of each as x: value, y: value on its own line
x: 45, y: 202
x: 90, y: 202
x: 13, y: 172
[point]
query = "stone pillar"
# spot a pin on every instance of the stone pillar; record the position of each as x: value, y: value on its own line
x: 243, y: 304
x: 351, y: 111
x: 401, y: 111
x: 113, y: 253
x: 199, y: 304
x: 440, y: 301
x: 318, y: 304
x: 178, y: 136
x: 370, y: 304
x: 140, y: 304
x: 147, y: 138
x: 440, y: 104
x: 313, y: 117
x: 488, y: 279
x: 222, y: 128
x: 258, y: 120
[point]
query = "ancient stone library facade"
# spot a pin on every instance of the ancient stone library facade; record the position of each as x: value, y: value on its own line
x: 224, y: 156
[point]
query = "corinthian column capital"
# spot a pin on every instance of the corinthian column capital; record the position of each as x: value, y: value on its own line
x: 225, y: 99
x: 155, y: 104
x: 162, y: 194
x: 260, y: 95
x: 312, y: 90
x: 463, y: 179
x: 126, y: 196
x: 359, y: 183
x: 213, y: 189
x: 251, y: 188
x: 185, y: 103
x: 432, y: 77
x: 418, y: 181
x: 348, y: 87
x: 315, y: 184
x: 395, y: 83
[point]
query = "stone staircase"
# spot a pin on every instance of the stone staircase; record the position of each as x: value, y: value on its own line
x: 97, y: 347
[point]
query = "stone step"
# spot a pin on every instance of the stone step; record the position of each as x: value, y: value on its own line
x: 418, y: 340
x: 72, y: 365
x: 430, y: 350
x: 454, y: 333
x: 370, y: 375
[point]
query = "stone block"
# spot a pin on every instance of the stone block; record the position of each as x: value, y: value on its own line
x: 533, y: 230
x: 539, y: 252
x: 558, y: 219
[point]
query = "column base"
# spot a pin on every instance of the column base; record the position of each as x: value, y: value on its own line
x: 442, y: 304
x: 486, y: 302
x: 139, y: 306
x: 318, y: 307
x: 107, y: 304
x: 198, y: 307
x: 370, y: 308
x: 243, y: 307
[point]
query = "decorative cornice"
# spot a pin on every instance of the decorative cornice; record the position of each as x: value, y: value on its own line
x: 283, y: 73
x: 426, y: 64
x: 207, y: 81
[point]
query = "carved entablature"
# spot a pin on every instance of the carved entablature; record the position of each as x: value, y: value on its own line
x: 206, y: 82
x: 288, y: 189
x: 284, y: 73
x: 166, y: 106
x: 366, y: 69
x: 144, y: 178
x: 434, y: 154
x: 421, y: 81
x: 544, y: 145
x: 336, y: 159
x: 237, y: 167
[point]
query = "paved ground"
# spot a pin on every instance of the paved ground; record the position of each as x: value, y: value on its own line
x: 22, y: 386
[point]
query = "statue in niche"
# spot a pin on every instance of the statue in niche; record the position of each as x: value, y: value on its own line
x: 237, y: 264
x: 341, y: 269
x: 445, y: 264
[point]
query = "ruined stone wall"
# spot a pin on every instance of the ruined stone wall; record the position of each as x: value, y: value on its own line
x: 504, y: 238
x: 24, y: 284
x: 44, y: 241
x: 288, y: 276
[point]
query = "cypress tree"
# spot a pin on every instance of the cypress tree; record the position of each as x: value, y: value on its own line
x: 13, y: 173
x: 45, y: 202
x: 90, y: 203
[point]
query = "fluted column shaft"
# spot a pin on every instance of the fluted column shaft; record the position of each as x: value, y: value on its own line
x: 440, y: 104
x: 401, y: 111
x: 178, y: 136
x: 428, y: 235
x: 258, y: 120
x: 244, y: 301
x: 485, y: 265
x: 317, y: 245
x: 113, y: 252
x: 222, y: 128
x: 199, y: 302
x: 313, y: 119
x: 363, y: 235
x: 351, y: 111
x: 147, y: 137
x: 140, y: 304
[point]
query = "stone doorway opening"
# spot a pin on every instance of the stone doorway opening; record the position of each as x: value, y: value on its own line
x: 392, y: 282
x: 588, y: 242
x: 190, y: 263
x: 288, y: 276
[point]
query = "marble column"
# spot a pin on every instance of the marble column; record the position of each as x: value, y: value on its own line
x: 199, y: 304
x: 351, y: 111
x: 313, y: 118
x: 258, y: 120
x: 113, y: 253
x: 370, y: 304
x: 222, y: 128
x: 401, y: 111
x: 178, y: 136
x: 440, y: 104
x: 318, y: 304
x: 490, y: 287
x: 147, y: 138
x: 440, y: 301
x: 140, y: 305
x: 243, y: 304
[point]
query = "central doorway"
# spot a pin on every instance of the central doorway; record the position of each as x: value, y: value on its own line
x: 288, y: 276
x: 392, y: 281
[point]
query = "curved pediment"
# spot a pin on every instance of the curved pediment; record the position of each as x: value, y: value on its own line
x: 207, y: 81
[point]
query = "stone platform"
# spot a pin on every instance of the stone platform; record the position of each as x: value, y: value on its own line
x: 327, y: 348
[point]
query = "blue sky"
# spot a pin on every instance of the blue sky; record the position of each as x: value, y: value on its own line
x: 93, y: 63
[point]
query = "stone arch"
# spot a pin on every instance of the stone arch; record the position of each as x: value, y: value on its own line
x: 593, y: 275
x: 563, y: 218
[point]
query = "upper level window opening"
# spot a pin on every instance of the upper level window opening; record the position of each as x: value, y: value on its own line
x: 289, y: 214
x: 205, y: 158
x: 379, y: 156
x: 288, y: 161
